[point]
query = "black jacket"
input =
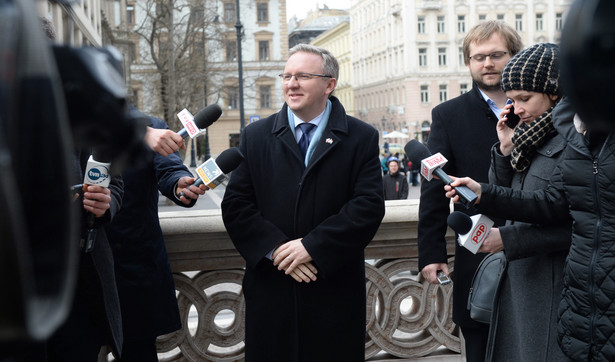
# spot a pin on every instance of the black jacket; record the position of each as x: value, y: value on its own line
x: 144, y: 279
x: 581, y: 187
x: 463, y: 130
x: 395, y: 186
x: 336, y: 205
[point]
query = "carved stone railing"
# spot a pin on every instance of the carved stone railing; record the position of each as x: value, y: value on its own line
x: 406, y: 316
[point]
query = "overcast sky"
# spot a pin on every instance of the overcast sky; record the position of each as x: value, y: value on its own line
x: 301, y: 7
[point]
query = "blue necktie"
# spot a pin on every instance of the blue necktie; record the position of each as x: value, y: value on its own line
x: 304, y: 141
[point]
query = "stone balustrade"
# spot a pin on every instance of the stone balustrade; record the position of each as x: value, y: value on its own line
x: 406, y: 316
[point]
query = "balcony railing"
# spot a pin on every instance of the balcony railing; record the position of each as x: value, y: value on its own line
x: 406, y: 316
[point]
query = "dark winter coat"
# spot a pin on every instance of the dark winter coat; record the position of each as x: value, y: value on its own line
x: 395, y: 186
x: 463, y: 130
x: 95, y: 309
x: 582, y: 186
x: 524, y: 322
x: 144, y: 279
x: 336, y: 205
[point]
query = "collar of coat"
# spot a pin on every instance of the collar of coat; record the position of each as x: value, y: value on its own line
x: 337, y: 120
x: 335, y: 130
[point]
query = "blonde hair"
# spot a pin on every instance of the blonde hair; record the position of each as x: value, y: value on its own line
x: 484, y: 30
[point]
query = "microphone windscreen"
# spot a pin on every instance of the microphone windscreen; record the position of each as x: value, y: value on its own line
x: 207, y: 116
x: 416, y: 151
x: 459, y: 222
x: 229, y: 159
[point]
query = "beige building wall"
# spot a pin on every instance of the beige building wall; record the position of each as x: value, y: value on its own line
x: 84, y: 27
x: 407, y: 55
x: 337, y: 41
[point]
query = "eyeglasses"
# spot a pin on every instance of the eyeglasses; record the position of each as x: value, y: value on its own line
x: 286, y: 77
x: 495, y: 56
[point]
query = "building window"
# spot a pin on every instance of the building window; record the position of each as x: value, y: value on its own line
x: 463, y: 88
x: 233, y: 97
x: 500, y: 17
x: 424, y: 94
x: 482, y: 17
x: 265, y: 95
x: 229, y: 13
x: 130, y: 13
x: 421, y: 24
x: 262, y: 12
x: 519, y: 22
x: 231, y: 50
x: 539, y: 26
x: 263, y: 50
x: 441, y: 25
x: 443, y: 92
x: 461, y: 59
x: 442, y: 57
x: 422, y: 57
x: 559, y: 21
x: 461, y: 23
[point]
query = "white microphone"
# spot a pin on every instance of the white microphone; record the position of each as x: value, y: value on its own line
x: 432, y: 165
x: 472, y: 230
x: 194, y: 124
x: 96, y: 174
x: 214, y: 172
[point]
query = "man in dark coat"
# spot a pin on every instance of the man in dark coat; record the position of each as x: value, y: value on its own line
x: 302, y: 220
x: 463, y: 130
x: 144, y: 278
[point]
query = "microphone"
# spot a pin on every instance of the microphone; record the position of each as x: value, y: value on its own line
x: 203, y: 119
x: 432, y: 165
x: 472, y: 230
x: 214, y: 172
x: 97, y: 170
x: 96, y: 173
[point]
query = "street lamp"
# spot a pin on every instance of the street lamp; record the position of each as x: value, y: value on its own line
x: 239, y: 27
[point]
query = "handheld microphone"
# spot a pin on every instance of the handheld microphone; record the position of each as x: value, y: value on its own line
x: 214, y: 172
x: 203, y: 119
x: 472, y: 230
x: 432, y: 165
x: 96, y: 173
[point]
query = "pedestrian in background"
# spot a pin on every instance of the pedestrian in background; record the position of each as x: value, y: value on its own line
x: 395, y: 182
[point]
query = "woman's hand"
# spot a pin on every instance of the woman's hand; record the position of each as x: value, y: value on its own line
x: 505, y: 133
x: 466, y: 181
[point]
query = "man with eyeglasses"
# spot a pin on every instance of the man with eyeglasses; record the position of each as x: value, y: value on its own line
x: 463, y: 129
x: 300, y: 210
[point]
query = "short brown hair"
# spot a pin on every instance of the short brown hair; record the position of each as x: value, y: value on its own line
x: 481, y: 32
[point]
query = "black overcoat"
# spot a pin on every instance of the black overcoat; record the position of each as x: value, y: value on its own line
x: 336, y: 206
x: 144, y: 278
x: 463, y: 129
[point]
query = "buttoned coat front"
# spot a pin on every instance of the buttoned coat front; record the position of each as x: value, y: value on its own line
x: 336, y: 205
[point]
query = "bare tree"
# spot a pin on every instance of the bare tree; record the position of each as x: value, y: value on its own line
x: 176, y: 34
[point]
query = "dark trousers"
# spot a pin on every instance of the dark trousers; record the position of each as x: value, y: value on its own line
x: 139, y: 350
x: 85, y: 331
x: 476, y: 343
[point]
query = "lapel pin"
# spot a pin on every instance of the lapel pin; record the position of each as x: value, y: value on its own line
x: 329, y: 140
